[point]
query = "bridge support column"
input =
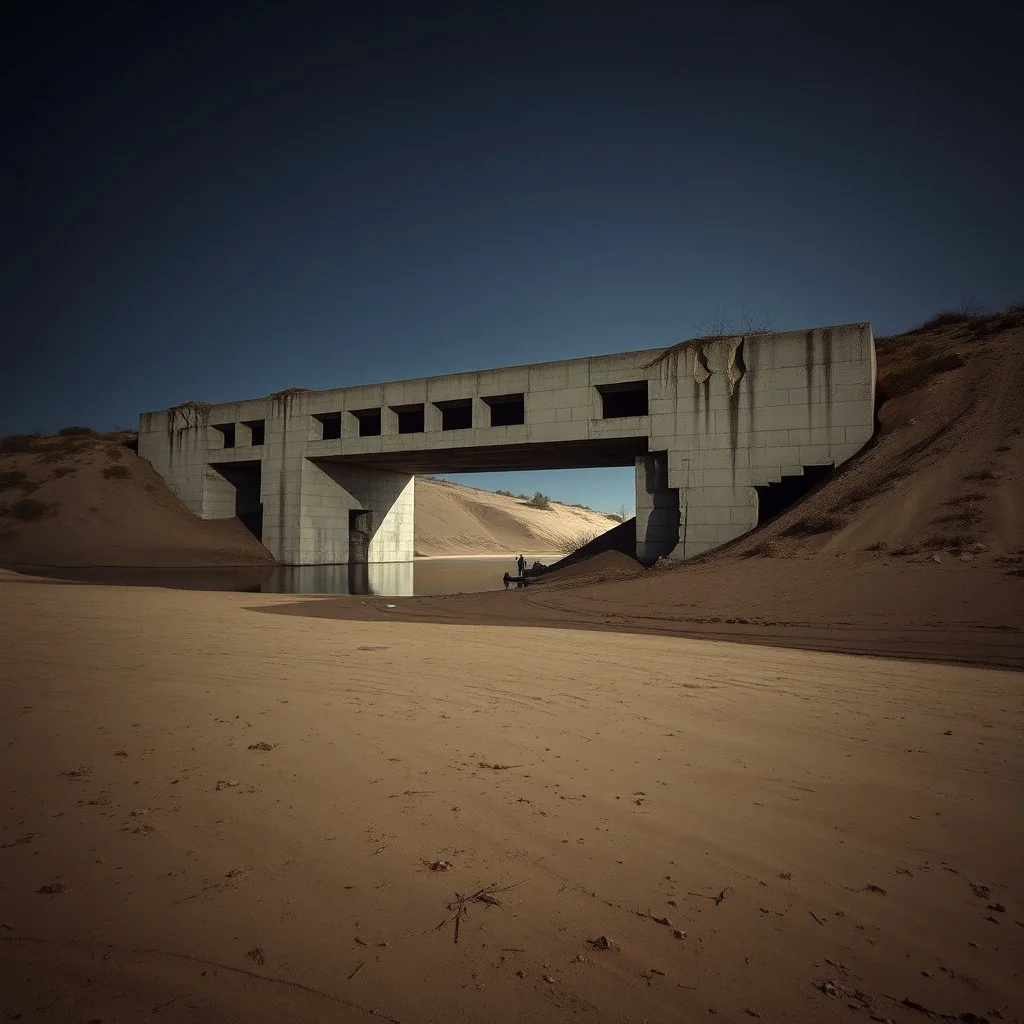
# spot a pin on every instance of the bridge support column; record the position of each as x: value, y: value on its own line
x: 348, y: 514
x: 657, y: 508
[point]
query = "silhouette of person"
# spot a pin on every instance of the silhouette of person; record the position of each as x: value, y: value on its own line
x: 505, y: 579
x: 521, y: 563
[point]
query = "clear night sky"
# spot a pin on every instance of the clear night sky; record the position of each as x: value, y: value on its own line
x: 221, y: 205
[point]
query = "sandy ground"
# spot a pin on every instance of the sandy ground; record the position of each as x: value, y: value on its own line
x: 763, y: 834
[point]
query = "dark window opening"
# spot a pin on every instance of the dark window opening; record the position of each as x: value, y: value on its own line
x: 410, y: 418
x: 257, y: 431
x: 628, y: 399
x: 506, y: 410
x: 330, y: 425
x: 774, y: 499
x: 369, y: 422
x: 457, y: 414
x: 227, y: 431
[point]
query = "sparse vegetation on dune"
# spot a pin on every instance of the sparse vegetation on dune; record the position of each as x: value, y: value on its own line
x: 812, y: 524
x: 26, y: 509
x: 16, y: 444
x: 11, y: 478
x: 570, y: 545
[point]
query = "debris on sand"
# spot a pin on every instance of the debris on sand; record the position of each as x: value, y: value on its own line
x: 262, y: 745
x: 719, y: 898
x: 76, y: 773
x: 226, y: 784
x: 257, y: 956
x: 487, y: 895
x: 53, y: 889
x: 27, y: 838
x: 500, y: 767
x: 440, y: 865
x: 602, y: 942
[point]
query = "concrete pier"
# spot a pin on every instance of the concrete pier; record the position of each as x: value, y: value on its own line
x: 328, y: 477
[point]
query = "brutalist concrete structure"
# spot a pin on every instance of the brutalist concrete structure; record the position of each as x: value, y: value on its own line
x: 327, y: 477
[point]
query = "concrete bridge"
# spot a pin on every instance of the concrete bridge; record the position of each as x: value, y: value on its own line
x: 327, y: 477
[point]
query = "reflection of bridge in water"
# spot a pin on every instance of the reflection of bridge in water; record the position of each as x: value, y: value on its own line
x: 381, y: 579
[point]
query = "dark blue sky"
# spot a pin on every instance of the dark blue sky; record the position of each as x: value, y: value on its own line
x: 220, y: 203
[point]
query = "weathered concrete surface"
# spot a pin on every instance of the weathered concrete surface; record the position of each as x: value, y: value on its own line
x: 723, y: 415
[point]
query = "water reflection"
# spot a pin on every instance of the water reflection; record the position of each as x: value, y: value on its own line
x: 388, y: 579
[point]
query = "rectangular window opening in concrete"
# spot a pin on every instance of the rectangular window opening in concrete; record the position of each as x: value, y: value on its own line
x: 456, y: 414
x: 626, y: 399
x: 506, y: 410
x: 410, y: 418
x: 330, y: 425
x: 257, y: 431
x: 367, y: 422
x: 360, y: 529
x: 227, y: 432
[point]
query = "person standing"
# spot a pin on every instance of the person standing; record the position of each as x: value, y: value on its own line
x: 521, y: 563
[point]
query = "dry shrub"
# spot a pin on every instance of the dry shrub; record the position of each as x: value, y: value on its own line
x: 11, y: 478
x: 947, y: 542
x: 571, y: 544
x: 906, y: 550
x: 814, y: 524
x: 947, y: 318
x: 28, y: 509
x: 76, y: 432
x: 910, y: 376
x: 866, y: 491
x: 964, y: 517
x: 14, y: 444
x: 116, y: 473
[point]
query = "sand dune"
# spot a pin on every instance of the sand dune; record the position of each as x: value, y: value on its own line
x: 761, y: 834
x: 454, y: 519
x: 104, y: 506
